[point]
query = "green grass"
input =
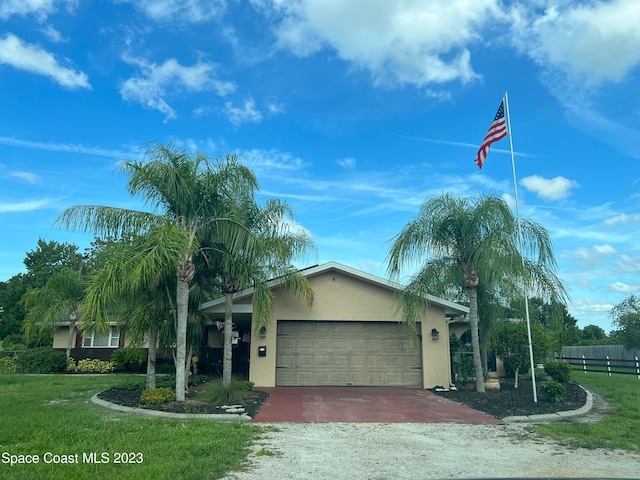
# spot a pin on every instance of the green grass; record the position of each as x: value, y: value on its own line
x: 619, y: 429
x: 53, y: 413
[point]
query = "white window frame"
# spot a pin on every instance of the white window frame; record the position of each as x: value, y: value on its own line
x: 88, y: 340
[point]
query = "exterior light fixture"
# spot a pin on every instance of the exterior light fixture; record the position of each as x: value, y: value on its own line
x: 435, y: 334
x: 263, y: 332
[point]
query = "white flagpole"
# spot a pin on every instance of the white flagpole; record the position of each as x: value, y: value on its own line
x: 524, y: 283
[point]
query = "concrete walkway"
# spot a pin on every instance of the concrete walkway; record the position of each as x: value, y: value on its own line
x: 364, y: 405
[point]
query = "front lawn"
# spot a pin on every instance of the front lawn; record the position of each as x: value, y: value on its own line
x: 51, y: 417
x: 621, y: 426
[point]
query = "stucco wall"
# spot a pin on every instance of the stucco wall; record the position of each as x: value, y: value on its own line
x: 339, y: 296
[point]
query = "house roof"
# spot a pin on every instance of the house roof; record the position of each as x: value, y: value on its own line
x: 451, y: 308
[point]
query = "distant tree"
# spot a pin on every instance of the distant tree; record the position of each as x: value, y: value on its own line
x: 48, y: 258
x: 593, y: 335
x: 626, y: 317
x: 13, y: 312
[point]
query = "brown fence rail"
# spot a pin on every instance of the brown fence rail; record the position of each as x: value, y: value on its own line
x: 607, y: 365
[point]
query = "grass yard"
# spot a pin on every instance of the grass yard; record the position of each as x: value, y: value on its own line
x: 51, y: 416
x: 620, y: 428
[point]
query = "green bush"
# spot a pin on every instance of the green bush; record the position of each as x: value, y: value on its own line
x: 217, y: 394
x: 127, y: 357
x: 552, y: 390
x: 558, y: 371
x: 157, y: 396
x: 41, y: 360
x: 7, y: 365
x: 94, y: 366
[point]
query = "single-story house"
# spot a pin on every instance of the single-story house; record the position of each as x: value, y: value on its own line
x: 351, y: 335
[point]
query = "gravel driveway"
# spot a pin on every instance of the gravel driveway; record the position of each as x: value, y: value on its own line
x: 414, y: 451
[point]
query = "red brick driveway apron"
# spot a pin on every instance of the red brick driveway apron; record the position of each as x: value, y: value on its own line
x: 364, y: 404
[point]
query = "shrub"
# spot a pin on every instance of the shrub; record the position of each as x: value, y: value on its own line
x: 558, y: 371
x: 217, y: 394
x: 157, y: 396
x: 71, y: 365
x: 7, y: 365
x: 94, y: 366
x: 127, y: 357
x: 41, y: 360
x: 552, y: 390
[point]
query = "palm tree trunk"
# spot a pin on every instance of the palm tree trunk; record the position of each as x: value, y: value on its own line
x: 151, y: 357
x: 72, y: 334
x: 182, y: 301
x: 475, y: 340
x: 228, y: 348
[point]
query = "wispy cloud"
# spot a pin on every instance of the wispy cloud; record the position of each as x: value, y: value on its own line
x: 192, y: 11
x: 347, y: 162
x: 463, y: 144
x: 8, y: 207
x: 68, y: 148
x: 34, y: 59
x: 28, y: 177
x: 156, y: 82
x: 246, y: 113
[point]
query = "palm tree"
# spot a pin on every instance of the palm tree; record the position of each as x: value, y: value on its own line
x: 187, y: 197
x: 466, y: 243
x: 56, y: 302
x: 276, y: 247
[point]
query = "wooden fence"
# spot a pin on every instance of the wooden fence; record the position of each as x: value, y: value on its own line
x: 601, y: 365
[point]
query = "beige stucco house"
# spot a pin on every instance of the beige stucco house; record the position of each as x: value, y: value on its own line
x: 351, y: 335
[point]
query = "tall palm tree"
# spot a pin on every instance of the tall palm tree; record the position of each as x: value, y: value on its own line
x: 277, y: 246
x: 56, y: 302
x: 186, y: 196
x: 467, y: 243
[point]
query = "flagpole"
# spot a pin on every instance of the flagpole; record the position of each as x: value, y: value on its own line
x: 524, y: 282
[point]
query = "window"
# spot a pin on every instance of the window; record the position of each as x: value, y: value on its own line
x: 102, y: 340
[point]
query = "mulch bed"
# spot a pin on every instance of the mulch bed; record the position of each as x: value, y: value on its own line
x: 509, y: 401
x: 251, y: 401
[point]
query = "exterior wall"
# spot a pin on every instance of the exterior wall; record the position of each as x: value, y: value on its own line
x: 61, y: 338
x: 436, y: 361
x: 339, y: 296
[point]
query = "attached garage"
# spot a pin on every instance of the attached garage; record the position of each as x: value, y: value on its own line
x: 350, y: 336
x: 346, y: 353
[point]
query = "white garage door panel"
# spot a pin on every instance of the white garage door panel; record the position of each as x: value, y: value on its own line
x: 346, y: 353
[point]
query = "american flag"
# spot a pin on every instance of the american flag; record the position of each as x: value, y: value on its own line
x: 497, y: 131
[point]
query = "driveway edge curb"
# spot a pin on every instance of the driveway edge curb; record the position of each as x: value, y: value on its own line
x: 565, y: 416
x: 220, y: 417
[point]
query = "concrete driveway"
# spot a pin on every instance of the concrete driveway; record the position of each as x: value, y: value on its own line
x: 364, y: 405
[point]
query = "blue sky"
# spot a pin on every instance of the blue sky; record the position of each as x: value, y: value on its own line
x: 354, y: 111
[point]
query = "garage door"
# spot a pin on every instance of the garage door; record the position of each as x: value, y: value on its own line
x: 346, y: 353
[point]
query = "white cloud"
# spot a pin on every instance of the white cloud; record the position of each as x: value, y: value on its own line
x: 580, y: 39
x: 416, y: 42
x: 41, y: 8
x: 245, y: 113
x: 28, y: 177
x: 52, y: 34
x: 591, y: 257
x: 347, y: 162
x: 157, y: 81
x: 193, y: 11
x: 271, y: 160
x: 549, y: 188
x: 68, y: 148
x: 621, y: 287
x: 32, y: 58
x: 24, y: 206
x: 622, y: 219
